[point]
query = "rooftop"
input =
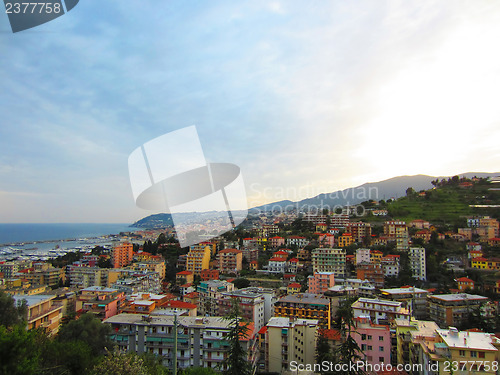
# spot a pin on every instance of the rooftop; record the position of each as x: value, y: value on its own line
x: 403, y: 290
x: 311, y: 298
x: 282, y: 322
x: 458, y: 297
x: 467, y: 340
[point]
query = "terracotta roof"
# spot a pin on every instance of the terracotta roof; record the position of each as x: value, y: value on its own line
x: 465, y: 280
x: 331, y: 334
x: 184, y: 273
x: 294, y: 285
x: 179, y: 304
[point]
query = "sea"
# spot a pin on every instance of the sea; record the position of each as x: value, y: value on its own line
x: 50, y: 239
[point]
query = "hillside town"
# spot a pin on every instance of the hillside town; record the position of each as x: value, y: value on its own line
x: 419, y: 294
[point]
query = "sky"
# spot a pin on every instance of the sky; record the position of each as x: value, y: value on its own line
x: 307, y: 97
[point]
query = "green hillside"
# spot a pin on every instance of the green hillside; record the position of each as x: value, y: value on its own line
x: 448, y: 203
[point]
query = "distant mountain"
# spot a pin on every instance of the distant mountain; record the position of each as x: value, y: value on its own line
x: 392, y: 188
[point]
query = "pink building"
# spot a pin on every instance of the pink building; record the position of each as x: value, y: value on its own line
x: 320, y: 282
x: 276, y: 241
x: 374, y: 341
x: 326, y: 239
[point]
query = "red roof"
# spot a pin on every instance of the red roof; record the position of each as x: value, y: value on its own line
x: 465, y: 280
x: 277, y: 237
x: 294, y: 260
x: 263, y: 330
x: 331, y: 334
x: 480, y: 259
x: 280, y: 252
x: 191, y: 295
x: 294, y: 285
x: 277, y: 259
x: 180, y: 304
x: 235, y: 251
x: 184, y: 273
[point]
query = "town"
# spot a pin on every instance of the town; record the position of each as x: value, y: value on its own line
x: 419, y: 292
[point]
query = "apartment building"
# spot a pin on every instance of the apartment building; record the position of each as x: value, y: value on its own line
x: 374, y: 340
x: 329, y: 260
x: 230, y: 260
x: 414, y: 299
x: 380, y: 311
x: 409, y: 333
x: 453, y: 309
x: 362, y: 256
x: 391, y: 265
x: 209, y: 293
x: 252, y: 306
x: 320, y: 282
x: 122, y: 254
x: 416, y: 257
x: 360, y: 231
x: 398, y: 231
x: 42, y: 312
x: 305, y: 306
x: 198, y: 259
x: 201, y: 341
x: 287, y: 339
x: 102, y: 302
x: 374, y: 273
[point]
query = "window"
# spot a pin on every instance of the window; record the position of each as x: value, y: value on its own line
x: 370, y: 347
x: 381, y: 348
x: 461, y: 353
x: 363, y: 336
x: 381, y: 359
x: 381, y: 338
x: 369, y: 337
x: 481, y: 354
x: 473, y: 354
x: 363, y: 346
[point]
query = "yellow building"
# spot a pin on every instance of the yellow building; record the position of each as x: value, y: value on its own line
x: 304, y: 306
x: 43, y: 312
x: 376, y: 256
x: 485, y: 263
x: 470, y: 351
x: 198, y: 259
x: 345, y: 240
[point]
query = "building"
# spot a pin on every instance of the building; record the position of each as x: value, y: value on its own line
x: 485, y: 263
x: 230, y: 260
x: 293, y: 288
x: 453, y: 309
x: 409, y: 333
x: 42, y: 312
x: 198, y: 259
x: 360, y: 231
x: 339, y: 221
x: 277, y: 265
x: 362, y: 256
x: 83, y: 277
x: 270, y: 298
x: 209, y: 293
x: 416, y: 257
x: 201, y: 341
x: 276, y: 241
x: 304, y: 306
x: 297, y: 241
x: 209, y: 274
x: 9, y: 269
x: 151, y: 266
x: 398, y: 231
x: 320, y: 282
x: 374, y: 340
x: 43, y: 274
x: 374, y: 273
x: 380, y: 311
x: 391, y: 265
x: 345, y: 240
x: 103, y: 303
x: 286, y: 340
x: 122, y: 254
x: 465, y: 283
x: 251, y: 304
x: 414, y: 299
x: 478, y: 350
x: 329, y: 260
x: 184, y: 277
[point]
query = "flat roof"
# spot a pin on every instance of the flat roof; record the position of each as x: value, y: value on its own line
x: 35, y: 299
x: 187, y: 321
x: 284, y: 322
x: 458, y: 297
x: 305, y: 298
x: 403, y: 290
x: 466, y: 339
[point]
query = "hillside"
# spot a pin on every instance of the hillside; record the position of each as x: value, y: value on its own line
x: 447, y: 203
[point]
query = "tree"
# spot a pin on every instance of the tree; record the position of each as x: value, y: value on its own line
x: 19, y: 352
x: 119, y: 363
x: 236, y: 361
x: 10, y: 312
x: 90, y: 330
x: 323, y: 350
x: 199, y: 371
x: 241, y: 282
x: 349, y: 351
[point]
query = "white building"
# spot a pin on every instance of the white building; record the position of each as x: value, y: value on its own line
x: 417, y: 263
x: 362, y: 256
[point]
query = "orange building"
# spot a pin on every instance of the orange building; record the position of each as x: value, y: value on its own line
x: 465, y: 283
x: 122, y: 254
